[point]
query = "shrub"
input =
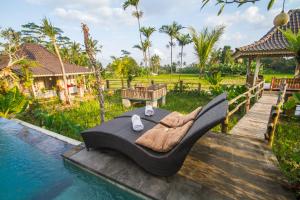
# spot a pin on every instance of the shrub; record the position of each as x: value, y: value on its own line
x: 12, y: 102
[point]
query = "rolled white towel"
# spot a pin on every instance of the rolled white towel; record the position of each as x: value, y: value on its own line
x: 137, y: 124
x: 149, y: 110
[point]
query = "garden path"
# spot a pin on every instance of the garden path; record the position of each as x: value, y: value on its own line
x: 254, y: 123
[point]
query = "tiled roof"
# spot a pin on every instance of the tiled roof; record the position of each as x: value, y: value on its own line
x: 49, y: 64
x: 273, y: 43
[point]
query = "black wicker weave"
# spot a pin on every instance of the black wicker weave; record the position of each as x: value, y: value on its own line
x: 118, y: 135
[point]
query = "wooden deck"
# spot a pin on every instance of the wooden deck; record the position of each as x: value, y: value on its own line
x: 254, y: 123
x: 219, y: 166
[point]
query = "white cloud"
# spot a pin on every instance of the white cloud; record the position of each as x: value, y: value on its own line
x: 75, y: 15
x: 159, y: 53
x: 251, y: 15
x: 93, y: 11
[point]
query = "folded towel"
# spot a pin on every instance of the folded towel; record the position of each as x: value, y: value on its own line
x: 149, y: 110
x: 137, y: 124
x: 176, y: 119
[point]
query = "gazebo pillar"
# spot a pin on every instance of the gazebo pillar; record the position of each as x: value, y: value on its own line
x: 255, y: 77
x: 249, y: 67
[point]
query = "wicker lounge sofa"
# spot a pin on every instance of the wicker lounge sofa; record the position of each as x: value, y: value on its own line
x: 118, y: 135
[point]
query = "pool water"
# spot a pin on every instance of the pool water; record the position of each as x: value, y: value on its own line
x: 28, y: 173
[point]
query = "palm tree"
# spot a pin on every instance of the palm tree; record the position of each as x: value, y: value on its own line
x: 171, y: 30
x: 147, y: 32
x: 51, y: 32
x: 91, y: 48
x: 138, y: 14
x: 204, y: 43
x: 145, y: 45
x: 294, y: 45
x: 183, y: 39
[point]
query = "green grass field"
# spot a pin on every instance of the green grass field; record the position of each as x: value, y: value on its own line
x: 191, y: 80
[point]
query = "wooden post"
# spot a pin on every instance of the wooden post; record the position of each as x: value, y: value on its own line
x: 272, y: 134
x: 199, y: 87
x: 248, y: 72
x: 272, y: 83
x: 255, y: 77
x: 248, y: 102
x: 107, y: 84
x: 152, y: 82
x: 180, y: 85
x: 224, y: 126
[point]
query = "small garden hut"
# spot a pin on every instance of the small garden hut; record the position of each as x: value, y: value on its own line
x: 273, y: 44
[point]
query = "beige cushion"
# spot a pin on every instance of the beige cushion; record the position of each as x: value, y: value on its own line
x: 162, y: 139
x: 176, y: 119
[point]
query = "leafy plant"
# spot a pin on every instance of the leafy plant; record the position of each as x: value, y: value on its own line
x: 204, y: 43
x: 292, y: 102
x: 12, y: 102
x: 293, y: 40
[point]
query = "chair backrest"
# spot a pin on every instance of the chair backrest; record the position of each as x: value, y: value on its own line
x: 222, y: 97
x: 207, y: 121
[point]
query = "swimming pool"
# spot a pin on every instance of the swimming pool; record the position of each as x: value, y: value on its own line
x: 28, y: 173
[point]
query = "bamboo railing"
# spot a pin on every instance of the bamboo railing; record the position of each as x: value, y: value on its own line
x: 275, y: 113
x: 151, y: 93
x: 243, y: 99
x: 293, y: 84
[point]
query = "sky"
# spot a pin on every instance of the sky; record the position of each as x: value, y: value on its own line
x: 117, y: 29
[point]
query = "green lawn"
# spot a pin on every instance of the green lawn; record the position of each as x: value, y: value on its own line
x: 287, y: 149
x: 192, y: 80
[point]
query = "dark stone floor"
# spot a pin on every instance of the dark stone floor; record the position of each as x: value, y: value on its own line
x: 218, y: 167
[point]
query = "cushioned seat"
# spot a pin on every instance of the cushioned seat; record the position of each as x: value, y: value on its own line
x: 118, y: 135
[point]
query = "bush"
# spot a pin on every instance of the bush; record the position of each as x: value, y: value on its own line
x: 12, y: 102
x: 287, y: 148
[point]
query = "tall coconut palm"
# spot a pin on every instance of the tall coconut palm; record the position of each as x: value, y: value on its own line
x: 204, y: 43
x: 171, y: 30
x: 183, y: 40
x: 294, y: 45
x: 147, y: 32
x: 137, y: 14
x: 145, y: 45
x: 49, y: 30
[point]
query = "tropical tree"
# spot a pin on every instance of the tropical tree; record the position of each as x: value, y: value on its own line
x: 226, y: 55
x: 204, y: 43
x: 147, y: 32
x: 26, y: 76
x: 125, y: 68
x: 10, y: 47
x: 172, y: 31
x: 143, y: 47
x: 183, y: 40
x: 91, y: 48
x: 155, y: 63
x: 138, y: 14
x: 49, y: 30
x: 293, y: 40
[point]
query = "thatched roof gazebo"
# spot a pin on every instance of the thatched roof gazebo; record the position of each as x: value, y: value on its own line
x: 273, y: 44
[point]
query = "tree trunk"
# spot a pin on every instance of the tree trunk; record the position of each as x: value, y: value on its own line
x: 149, y: 58
x: 181, y: 56
x: 68, y: 100
x: 141, y: 40
x: 171, y: 54
x: 97, y: 70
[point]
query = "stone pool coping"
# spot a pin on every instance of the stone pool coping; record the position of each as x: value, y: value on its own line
x: 50, y: 133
